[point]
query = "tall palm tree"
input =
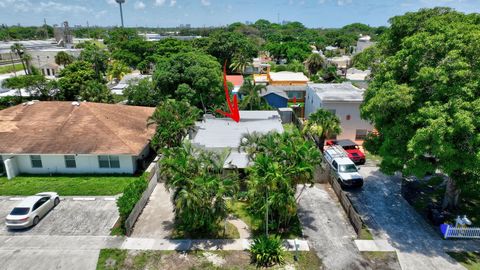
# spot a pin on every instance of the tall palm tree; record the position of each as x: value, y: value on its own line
x: 27, y: 58
x: 314, y: 63
x: 19, y: 50
x: 251, y: 95
x: 321, y: 125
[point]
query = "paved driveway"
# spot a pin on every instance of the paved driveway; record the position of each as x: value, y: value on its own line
x: 390, y: 217
x: 156, y: 220
x: 68, y: 218
x: 328, y: 229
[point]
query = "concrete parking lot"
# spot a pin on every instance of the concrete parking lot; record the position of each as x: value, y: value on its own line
x: 70, y: 217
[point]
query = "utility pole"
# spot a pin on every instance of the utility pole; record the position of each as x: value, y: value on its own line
x: 46, y: 27
x: 88, y: 30
x: 120, y: 2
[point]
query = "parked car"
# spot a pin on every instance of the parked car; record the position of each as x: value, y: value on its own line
x: 30, y: 210
x: 345, y: 171
x: 353, y: 150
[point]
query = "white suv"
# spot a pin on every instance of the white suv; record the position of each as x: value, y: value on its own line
x: 343, y: 167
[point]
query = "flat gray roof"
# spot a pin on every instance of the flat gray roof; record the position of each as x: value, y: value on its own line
x: 226, y: 133
x: 337, y: 91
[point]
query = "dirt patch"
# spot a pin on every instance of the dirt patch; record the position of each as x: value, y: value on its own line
x: 382, y: 260
x: 206, y: 260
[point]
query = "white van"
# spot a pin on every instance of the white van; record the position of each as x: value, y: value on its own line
x: 343, y: 167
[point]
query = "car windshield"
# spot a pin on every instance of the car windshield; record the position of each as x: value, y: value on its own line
x: 348, y: 168
x: 18, y: 211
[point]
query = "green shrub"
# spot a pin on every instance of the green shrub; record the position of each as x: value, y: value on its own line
x: 131, y: 195
x: 267, y: 251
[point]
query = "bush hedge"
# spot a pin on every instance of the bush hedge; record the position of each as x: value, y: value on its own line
x: 267, y: 251
x: 131, y: 195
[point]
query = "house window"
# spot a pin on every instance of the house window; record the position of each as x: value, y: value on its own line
x: 348, y: 117
x: 70, y: 161
x: 360, y: 134
x: 108, y: 162
x: 36, y: 161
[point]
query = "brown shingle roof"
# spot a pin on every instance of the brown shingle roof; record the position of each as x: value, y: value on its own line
x: 62, y: 128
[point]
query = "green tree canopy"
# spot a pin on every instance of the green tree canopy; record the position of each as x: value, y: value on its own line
x: 95, y: 91
x: 74, y: 78
x: 142, y: 93
x: 322, y: 124
x: 63, y: 58
x: 173, y: 120
x: 424, y: 99
x: 201, y: 72
x: 199, y: 188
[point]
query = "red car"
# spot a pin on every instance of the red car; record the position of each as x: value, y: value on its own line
x: 353, y: 150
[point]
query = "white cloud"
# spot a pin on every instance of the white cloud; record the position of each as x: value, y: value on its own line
x: 159, y: 3
x: 100, y: 14
x: 173, y: 3
x: 139, y: 5
x: 111, y: 2
x: 205, y: 2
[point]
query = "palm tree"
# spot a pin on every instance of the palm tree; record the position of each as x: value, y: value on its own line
x: 27, y: 58
x: 240, y: 63
x: 19, y: 50
x: 322, y: 124
x: 199, y: 187
x: 63, y: 58
x: 314, y: 62
x: 251, y: 95
x: 117, y: 70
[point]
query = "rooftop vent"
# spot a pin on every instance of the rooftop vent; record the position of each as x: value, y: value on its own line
x: 30, y: 103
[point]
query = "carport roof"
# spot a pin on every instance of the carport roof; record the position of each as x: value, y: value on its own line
x: 55, y: 127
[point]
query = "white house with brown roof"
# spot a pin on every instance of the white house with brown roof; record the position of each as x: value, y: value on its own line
x: 73, y: 138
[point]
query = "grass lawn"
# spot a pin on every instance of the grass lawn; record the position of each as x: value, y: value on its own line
x: 230, y: 233
x: 118, y: 98
x: 10, y: 68
x: 470, y: 260
x: 65, y: 185
x: 110, y: 259
x: 365, y: 234
x: 374, y: 158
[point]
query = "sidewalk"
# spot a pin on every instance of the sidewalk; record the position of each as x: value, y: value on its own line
x: 47, y: 242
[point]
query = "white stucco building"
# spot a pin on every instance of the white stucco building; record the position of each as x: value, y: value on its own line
x: 224, y: 134
x: 73, y: 138
x: 44, y: 59
x: 344, y: 100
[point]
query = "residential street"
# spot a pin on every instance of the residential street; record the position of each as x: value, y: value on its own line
x: 327, y: 228
x: 390, y: 217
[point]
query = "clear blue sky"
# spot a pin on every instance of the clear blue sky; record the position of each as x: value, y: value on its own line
x: 312, y: 13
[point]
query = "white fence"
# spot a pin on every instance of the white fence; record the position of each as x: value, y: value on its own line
x: 460, y: 232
